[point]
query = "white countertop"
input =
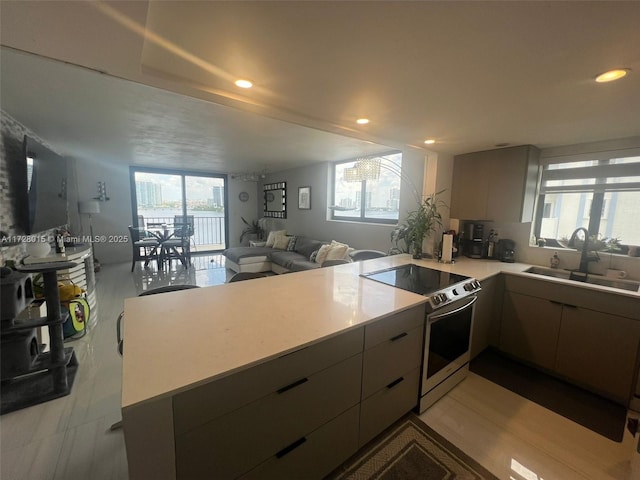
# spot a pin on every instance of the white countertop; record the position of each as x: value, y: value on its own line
x: 182, y: 339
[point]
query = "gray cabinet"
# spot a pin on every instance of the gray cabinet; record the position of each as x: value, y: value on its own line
x: 332, y: 440
x: 562, y: 329
x: 301, y: 415
x: 530, y: 328
x: 261, y: 416
x: 390, y: 370
x: 271, y: 427
x: 486, y: 321
x: 599, y: 351
x: 497, y: 185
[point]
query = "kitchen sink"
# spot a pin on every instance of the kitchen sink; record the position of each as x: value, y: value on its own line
x: 614, y: 283
x: 550, y: 272
x: 629, y: 285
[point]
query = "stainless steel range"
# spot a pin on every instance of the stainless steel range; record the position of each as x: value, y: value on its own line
x: 448, y: 324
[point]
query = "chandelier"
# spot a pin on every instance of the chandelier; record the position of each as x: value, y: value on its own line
x: 369, y: 168
x: 364, y: 169
x: 249, y: 177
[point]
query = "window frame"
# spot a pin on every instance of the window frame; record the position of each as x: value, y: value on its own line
x: 362, y: 218
x: 598, y: 189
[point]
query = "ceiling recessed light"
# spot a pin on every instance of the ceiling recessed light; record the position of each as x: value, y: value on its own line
x: 362, y: 121
x: 244, y: 83
x: 612, y: 75
x: 430, y: 141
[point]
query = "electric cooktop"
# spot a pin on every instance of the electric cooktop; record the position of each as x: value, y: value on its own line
x: 440, y: 287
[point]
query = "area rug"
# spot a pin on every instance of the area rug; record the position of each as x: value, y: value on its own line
x: 589, y: 410
x: 410, y: 450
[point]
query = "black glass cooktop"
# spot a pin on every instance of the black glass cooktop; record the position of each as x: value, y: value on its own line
x: 414, y: 278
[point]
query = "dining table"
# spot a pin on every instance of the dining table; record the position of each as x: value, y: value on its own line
x: 165, y: 233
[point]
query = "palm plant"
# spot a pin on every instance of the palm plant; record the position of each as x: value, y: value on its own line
x: 252, y: 228
x: 418, y: 225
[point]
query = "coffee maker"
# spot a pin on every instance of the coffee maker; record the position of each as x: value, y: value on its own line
x: 506, y: 250
x: 473, y: 241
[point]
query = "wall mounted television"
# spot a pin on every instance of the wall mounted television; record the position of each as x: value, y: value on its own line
x: 46, y: 182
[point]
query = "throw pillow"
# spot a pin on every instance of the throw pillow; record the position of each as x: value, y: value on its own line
x: 337, y: 252
x: 333, y: 242
x: 291, y: 247
x: 322, y: 253
x: 281, y: 242
x: 306, y: 246
x: 272, y: 237
x: 312, y: 257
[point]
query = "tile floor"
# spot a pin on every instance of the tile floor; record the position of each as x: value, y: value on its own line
x: 69, y: 438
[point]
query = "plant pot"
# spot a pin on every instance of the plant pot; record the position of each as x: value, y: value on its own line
x: 416, y: 250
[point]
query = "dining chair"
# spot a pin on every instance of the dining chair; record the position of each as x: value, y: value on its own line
x: 186, y: 223
x: 120, y: 339
x: 358, y: 255
x: 333, y: 263
x: 146, y: 249
x: 238, y: 277
x: 176, y: 247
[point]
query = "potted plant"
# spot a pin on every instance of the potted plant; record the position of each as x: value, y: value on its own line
x: 596, y: 244
x: 252, y: 228
x: 418, y: 225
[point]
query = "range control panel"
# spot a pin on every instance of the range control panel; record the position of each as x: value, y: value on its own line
x: 453, y: 293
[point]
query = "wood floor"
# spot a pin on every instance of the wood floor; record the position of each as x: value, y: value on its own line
x: 69, y: 438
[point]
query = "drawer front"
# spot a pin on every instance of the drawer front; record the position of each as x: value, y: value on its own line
x: 215, y: 399
x: 315, y: 455
x: 388, y: 405
x: 233, y: 444
x: 388, y: 360
x: 383, y: 330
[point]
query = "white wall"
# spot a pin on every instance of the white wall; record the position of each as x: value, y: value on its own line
x: 115, y: 214
x: 249, y: 210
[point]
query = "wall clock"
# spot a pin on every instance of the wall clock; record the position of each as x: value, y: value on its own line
x: 244, y: 196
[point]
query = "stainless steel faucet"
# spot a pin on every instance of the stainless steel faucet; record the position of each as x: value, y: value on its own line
x: 585, y: 258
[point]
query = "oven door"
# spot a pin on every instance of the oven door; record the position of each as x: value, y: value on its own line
x: 447, y: 340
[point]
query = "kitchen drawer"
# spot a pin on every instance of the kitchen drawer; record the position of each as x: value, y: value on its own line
x: 388, y: 360
x: 388, y: 405
x: 215, y: 399
x: 385, y: 329
x: 233, y: 444
x: 315, y: 455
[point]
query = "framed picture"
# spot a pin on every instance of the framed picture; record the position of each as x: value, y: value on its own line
x: 304, y: 198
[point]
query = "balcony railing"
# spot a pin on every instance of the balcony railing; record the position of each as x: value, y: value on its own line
x: 208, y: 232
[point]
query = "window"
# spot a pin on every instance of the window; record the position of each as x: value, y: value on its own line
x: 601, y: 195
x: 373, y: 200
x: 166, y: 196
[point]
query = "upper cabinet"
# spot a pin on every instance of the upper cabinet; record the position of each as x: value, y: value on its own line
x: 497, y: 185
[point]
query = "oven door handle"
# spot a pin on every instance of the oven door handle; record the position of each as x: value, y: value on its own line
x: 435, y: 318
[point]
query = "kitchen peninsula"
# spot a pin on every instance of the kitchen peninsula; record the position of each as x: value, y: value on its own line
x: 202, y: 366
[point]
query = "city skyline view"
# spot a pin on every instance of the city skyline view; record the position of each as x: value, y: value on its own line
x: 154, y: 191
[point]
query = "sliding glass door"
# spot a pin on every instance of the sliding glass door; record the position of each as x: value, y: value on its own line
x: 168, y: 196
